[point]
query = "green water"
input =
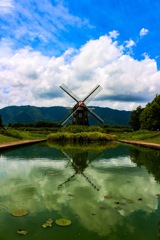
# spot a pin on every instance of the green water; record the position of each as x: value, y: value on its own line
x: 108, y: 192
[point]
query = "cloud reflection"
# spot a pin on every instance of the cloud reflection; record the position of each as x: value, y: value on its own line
x: 26, y: 184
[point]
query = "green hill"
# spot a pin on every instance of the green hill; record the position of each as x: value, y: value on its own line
x: 32, y: 114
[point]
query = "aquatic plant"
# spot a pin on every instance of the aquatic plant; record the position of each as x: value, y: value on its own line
x: 48, y: 223
x: 19, y: 213
x: 63, y: 222
x: 22, y: 232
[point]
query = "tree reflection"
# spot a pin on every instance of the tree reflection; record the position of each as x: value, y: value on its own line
x: 148, y: 158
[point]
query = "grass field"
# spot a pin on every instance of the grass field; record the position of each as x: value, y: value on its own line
x: 141, y: 135
x: 93, y: 134
x: 13, y: 135
x: 5, y: 139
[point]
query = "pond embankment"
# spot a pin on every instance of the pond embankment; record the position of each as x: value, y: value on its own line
x: 143, y: 144
x: 20, y: 143
x: 27, y: 142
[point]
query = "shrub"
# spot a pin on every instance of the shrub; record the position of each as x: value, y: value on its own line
x: 81, y: 137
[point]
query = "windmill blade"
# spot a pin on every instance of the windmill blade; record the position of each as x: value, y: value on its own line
x: 69, y: 92
x: 92, y: 94
x: 69, y: 115
x: 95, y: 116
x: 68, y: 180
x: 93, y: 184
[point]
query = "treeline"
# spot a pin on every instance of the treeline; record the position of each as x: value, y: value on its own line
x: 146, y: 118
x: 40, y: 124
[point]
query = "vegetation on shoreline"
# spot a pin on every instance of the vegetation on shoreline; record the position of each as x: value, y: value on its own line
x: 78, y: 134
x: 81, y: 137
x: 146, y: 118
x: 141, y: 135
x: 12, y: 135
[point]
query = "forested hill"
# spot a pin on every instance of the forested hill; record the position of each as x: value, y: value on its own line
x: 32, y: 114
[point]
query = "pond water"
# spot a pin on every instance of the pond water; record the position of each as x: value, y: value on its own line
x: 108, y: 192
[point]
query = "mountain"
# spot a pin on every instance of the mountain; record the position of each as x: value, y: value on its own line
x: 32, y: 114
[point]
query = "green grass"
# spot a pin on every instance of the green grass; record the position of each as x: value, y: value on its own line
x: 12, y: 135
x: 81, y: 137
x: 80, y: 129
x: 141, y: 135
x: 76, y: 134
x: 26, y: 135
x: 6, y: 139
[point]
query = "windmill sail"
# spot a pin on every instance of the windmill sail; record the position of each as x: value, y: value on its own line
x: 79, y: 112
x: 95, y: 116
x: 92, y: 94
x: 69, y: 92
x: 69, y: 115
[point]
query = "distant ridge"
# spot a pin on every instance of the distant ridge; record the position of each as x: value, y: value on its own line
x: 32, y: 114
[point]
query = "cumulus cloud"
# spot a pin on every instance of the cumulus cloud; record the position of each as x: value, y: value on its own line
x: 130, y: 43
x: 6, y: 6
x: 28, y: 77
x: 114, y: 34
x: 143, y: 32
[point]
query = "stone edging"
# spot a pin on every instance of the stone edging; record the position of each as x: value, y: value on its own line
x: 20, y: 143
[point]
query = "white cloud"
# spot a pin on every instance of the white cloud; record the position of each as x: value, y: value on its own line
x: 6, y: 6
x: 113, y: 34
x: 143, y: 32
x: 130, y: 43
x: 28, y: 77
x: 40, y: 21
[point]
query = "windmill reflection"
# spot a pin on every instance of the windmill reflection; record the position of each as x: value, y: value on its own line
x: 79, y: 163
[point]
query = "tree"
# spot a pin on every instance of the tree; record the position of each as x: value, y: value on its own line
x: 1, y: 123
x: 150, y: 117
x: 134, y: 120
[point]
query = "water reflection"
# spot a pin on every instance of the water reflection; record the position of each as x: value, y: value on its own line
x: 79, y: 163
x: 55, y: 181
x: 149, y: 159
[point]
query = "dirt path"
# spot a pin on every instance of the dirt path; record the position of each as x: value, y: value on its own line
x: 143, y: 144
x: 20, y: 143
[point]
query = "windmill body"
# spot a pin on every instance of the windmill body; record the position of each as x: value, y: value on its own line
x: 80, y: 117
x: 80, y: 111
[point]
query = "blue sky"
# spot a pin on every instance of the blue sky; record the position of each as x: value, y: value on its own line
x: 80, y: 43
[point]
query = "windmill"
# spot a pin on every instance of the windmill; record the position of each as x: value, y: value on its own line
x: 80, y: 111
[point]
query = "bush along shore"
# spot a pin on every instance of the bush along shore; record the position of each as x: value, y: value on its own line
x: 81, y: 137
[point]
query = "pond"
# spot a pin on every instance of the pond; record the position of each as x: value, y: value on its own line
x: 107, y: 192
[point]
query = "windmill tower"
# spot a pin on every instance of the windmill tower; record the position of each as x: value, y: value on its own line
x: 80, y: 111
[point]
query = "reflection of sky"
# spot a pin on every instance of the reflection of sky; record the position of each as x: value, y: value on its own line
x: 115, y: 162
x: 24, y: 183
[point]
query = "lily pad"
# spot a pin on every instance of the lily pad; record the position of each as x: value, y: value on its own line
x: 50, y: 220
x: 48, y: 223
x: 19, y: 213
x: 22, y: 232
x: 63, y: 222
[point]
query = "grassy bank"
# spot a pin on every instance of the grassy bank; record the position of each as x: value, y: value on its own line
x: 141, y: 135
x: 12, y: 135
x: 78, y: 134
x: 81, y: 137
